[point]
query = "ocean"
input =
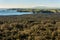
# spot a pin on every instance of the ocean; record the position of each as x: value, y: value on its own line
x: 12, y: 12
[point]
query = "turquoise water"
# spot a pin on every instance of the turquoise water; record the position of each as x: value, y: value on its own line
x: 13, y: 12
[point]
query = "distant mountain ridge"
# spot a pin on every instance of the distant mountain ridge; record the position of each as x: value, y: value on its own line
x: 45, y: 7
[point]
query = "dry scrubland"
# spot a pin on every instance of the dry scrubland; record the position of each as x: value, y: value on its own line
x: 38, y: 10
x: 30, y: 27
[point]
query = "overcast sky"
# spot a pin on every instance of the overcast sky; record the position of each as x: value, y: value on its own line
x: 28, y: 3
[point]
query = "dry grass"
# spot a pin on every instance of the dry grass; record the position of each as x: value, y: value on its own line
x: 30, y: 27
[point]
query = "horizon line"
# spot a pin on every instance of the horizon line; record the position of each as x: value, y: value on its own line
x: 29, y: 6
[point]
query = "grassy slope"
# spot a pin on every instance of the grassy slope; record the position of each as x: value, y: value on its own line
x: 30, y: 27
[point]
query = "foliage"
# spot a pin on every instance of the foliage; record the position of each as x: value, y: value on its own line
x: 30, y: 27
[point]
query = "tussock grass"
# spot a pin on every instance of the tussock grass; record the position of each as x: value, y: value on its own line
x: 32, y: 27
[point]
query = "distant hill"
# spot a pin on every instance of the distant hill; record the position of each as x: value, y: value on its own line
x: 45, y: 7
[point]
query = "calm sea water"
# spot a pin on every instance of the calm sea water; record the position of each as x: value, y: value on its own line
x: 12, y: 12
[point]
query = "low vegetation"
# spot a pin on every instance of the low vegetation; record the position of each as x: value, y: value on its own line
x: 34, y: 10
x: 39, y: 10
x: 30, y: 27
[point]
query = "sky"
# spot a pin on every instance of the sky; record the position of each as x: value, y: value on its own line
x: 28, y: 3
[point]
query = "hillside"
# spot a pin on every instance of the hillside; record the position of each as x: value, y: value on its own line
x: 30, y: 27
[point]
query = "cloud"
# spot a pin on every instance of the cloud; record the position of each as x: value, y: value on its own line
x: 15, y: 6
x: 18, y: 5
x: 27, y: 6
